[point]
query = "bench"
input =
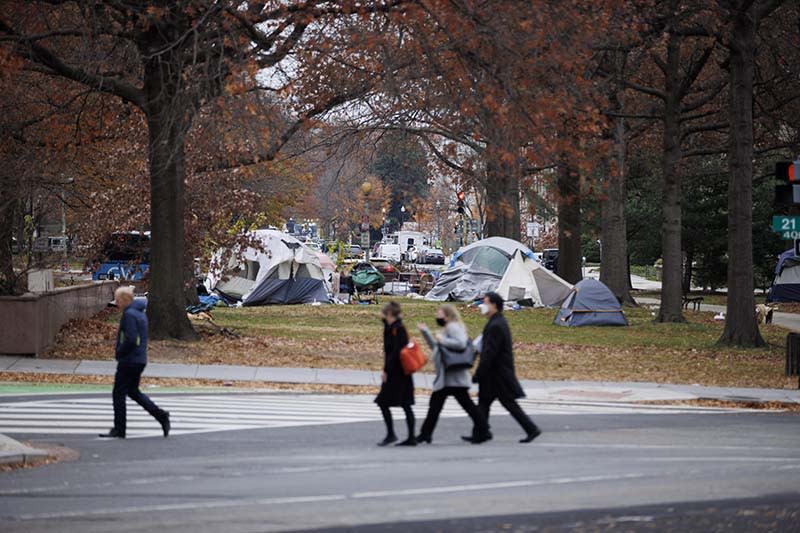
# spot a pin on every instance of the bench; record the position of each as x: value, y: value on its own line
x: 694, y: 300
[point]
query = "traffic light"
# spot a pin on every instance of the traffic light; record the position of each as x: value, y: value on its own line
x: 460, y: 203
x: 787, y: 171
x: 787, y: 191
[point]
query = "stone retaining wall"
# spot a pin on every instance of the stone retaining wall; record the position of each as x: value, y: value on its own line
x: 29, y: 323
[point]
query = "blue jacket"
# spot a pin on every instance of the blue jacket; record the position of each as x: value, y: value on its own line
x: 132, y: 334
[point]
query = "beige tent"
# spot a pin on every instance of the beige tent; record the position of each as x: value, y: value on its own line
x: 525, y: 278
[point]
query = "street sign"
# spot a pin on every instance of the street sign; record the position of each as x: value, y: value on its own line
x: 41, y: 245
x: 787, y: 226
x: 365, y: 239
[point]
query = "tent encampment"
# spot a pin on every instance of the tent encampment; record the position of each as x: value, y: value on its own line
x: 786, y: 286
x: 591, y: 303
x: 501, y: 265
x: 284, y: 271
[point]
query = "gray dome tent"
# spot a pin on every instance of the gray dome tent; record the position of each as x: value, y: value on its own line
x: 501, y: 265
x: 590, y: 303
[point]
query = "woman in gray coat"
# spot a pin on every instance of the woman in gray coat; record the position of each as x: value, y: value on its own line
x: 455, y: 382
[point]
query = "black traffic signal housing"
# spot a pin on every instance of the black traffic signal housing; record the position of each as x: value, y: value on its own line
x: 787, y: 190
x: 460, y: 203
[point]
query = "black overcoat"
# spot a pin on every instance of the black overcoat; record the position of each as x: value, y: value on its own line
x: 398, y: 389
x: 495, y: 373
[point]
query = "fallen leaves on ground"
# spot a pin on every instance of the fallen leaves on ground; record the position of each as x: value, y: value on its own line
x: 349, y: 337
x: 150, y: 384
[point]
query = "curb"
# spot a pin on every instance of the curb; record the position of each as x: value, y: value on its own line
x: 15, y: 453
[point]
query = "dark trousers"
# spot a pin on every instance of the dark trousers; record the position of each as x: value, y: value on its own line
x: 461, y: 394
x: 126, y: 383
x: 513, y: 408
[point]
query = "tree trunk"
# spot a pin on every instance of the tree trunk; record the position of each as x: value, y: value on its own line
x: 8, y: 209
x: 502, y: 194
x: 168, y: 119
x: 671, y: 295
x: 741, y: 327
x: 614, y: 230
x: 569, y: 225
x: 688, y: 272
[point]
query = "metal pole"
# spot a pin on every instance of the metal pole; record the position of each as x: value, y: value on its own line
x: 366, y: 215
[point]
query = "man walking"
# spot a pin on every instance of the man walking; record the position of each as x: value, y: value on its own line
x: 131, y: 355
x: 495, y: 373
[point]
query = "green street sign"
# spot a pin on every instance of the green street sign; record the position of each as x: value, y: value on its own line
x: 787, y: 226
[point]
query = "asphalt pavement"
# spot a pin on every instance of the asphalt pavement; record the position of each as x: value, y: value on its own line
x: 687, y: 469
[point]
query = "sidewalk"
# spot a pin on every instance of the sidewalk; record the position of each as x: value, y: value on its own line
x: 787, y: 320
x: 537, y: 390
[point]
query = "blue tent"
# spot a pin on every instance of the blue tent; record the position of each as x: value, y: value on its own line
x: 786, y: 286
x: 590, y: 303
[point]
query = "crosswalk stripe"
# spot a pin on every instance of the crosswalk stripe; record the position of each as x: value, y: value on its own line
x: 198, y: 413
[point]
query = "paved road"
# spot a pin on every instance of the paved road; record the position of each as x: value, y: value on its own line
x: 317, y: 468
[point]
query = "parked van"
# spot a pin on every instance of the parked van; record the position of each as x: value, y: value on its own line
x: 390, y: 251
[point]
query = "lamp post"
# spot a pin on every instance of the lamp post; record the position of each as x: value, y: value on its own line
x: 438, y: 220
x: 402, y: 216
x: 366, y: 188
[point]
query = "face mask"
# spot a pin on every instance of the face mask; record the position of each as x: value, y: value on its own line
x: 441, y: 321
x: 484, y: 308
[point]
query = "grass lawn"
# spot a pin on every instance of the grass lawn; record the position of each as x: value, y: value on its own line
x: 351, y: 337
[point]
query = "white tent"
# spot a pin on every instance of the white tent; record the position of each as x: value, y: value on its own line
x: 501, y: 265
x: 283, y: 271
x: 525, y: 278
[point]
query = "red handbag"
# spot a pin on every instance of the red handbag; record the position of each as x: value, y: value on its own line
x: 412, y: 358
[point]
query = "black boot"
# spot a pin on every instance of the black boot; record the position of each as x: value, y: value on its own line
x: 112, y: 434
x: 388, y: 440
x: 477, y: 438
x: 410, y: 441
x: 532, y: 435
x: 165, y: 424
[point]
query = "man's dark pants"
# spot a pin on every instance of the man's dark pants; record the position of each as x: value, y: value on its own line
x: 436, y: 403
x: 513, y: 408
x: 126, y: 383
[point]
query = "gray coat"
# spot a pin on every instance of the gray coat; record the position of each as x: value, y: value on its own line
x: 455, y: 336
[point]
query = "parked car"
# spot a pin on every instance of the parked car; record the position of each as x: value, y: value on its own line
x: 384, y: 265
x: 353, y: 251
x: 550, y: 259
x: 431, y: 256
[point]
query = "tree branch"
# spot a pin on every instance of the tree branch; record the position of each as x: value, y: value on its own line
x: 39, y: 54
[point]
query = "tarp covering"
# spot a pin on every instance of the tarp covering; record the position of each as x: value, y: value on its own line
x: 284, y: 272
x: 506, y: 246
x: 786, y: 286
x: 367, y: 277
x: 502, y: 265
x: 590, y: 303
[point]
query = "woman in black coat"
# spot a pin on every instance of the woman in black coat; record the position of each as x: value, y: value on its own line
x: 397, y: 389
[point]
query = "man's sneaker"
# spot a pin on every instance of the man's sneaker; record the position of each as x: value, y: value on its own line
x: 112, y: 434
x: 165, y: 425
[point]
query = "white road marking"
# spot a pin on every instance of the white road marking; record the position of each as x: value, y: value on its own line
x: 202, y: 413
x: 291, y: 500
